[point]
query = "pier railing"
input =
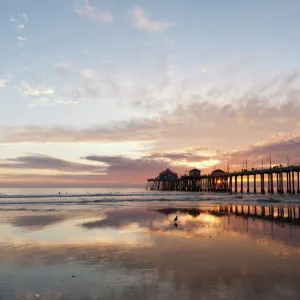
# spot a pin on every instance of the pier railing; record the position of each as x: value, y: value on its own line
x: 272, y: 180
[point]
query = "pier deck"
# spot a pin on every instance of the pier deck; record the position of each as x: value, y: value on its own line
x: 272, y: 180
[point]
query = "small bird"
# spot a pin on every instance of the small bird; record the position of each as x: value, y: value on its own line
x: 176, y: 219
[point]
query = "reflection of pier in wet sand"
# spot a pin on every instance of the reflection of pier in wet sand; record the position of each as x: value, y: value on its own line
x: 191, y: 211
x: 282, y: 214
x: 271, y: 213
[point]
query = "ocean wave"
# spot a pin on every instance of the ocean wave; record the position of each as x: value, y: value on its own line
x: 107, y: 200
x: 146, y: 194
x: 138, y: 197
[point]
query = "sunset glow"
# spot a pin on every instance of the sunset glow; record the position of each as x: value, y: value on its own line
x: 139, y: 87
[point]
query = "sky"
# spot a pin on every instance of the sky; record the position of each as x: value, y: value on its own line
x: 109, y: 93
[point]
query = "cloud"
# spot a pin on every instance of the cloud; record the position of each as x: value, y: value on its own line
x: 18, y: 23
x: 175, y: 156
x: 196, y: 125
x: 63, y: 67
x: 153, y: 91
x: 86, y: 10
x: 151, y: 164
x: 26, y: 89
x: 89, y: 74
x: 22, y: 38
x: 40, y: 102
x: 113, y: 169
x: 137, y: 169
x: 51, y: 101
x: 3, y: 82
x: 44, y: 95
x: 166, y: 86
x: 36, y: 134
x: 142, y: 22
x: 263, y: 114
x: 64, y: 180
x: 25, y: 17
x: 279, y: 149
x: 44, y: 162
x: 64, y: 101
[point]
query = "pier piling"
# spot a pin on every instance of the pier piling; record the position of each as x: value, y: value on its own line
x: 286, y: 181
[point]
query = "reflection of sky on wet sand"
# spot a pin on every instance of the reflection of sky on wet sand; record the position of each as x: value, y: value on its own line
x: 140, y: 254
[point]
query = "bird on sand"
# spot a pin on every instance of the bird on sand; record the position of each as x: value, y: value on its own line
x: 176, y: 219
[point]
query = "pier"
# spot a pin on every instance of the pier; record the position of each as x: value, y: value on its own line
x: 278, y: 179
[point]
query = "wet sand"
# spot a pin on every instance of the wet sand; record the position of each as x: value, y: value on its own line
x: 139, y: 253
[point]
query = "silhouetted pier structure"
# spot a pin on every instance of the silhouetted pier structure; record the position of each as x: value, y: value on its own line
x: 287, y: 214
x: 278, y: 179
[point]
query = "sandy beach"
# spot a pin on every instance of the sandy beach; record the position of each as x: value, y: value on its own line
x: 139, y: 253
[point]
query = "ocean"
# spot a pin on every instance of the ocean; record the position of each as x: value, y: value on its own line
x: 80, y: 199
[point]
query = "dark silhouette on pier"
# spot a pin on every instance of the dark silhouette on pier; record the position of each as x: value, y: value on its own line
x: 277, y: 179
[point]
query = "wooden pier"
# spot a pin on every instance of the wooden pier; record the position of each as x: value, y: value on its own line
x: 278, y: 179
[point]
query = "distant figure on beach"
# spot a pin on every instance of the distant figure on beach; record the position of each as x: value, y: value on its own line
x: 58, y: 193
x: 176, y: 219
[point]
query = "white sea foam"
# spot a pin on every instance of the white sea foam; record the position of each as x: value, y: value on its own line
x: 78, y: 201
